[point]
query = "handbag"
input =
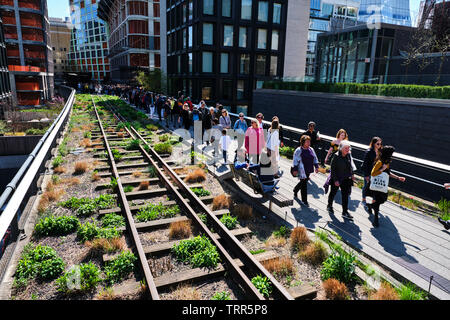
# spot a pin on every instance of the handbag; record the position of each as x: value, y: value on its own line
x: 294, y: 171
x: 379, y: 183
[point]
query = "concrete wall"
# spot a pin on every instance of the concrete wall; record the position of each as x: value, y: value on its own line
x: 19, y: 145
x: 296, y: 38
x: 415, y: 127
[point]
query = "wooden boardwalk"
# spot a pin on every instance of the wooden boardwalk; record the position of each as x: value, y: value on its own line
x: 411, y: 244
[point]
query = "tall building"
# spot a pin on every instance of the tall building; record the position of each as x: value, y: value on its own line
x: 135, y: 40
x: 385, y: 11
x: 60, y: 42
x: 5, y: 86
x: 29, y: 56
x: 89, y: 40
x: 219, y: 51
x: 325, y: 16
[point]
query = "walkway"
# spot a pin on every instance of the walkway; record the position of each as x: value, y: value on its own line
x: 409, y: 243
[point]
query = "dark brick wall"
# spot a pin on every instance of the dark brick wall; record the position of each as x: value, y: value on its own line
x: 415, y: 127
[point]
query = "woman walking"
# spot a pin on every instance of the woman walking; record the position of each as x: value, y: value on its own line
x: 254, y: 141
x: 341, y: 177
x: 306, y: 162
x: 369, y: 161
x: 186, y: 116
x: 225, y: 120
x: 340, y: 136
x: 273, y: 147
x: 382, y: 165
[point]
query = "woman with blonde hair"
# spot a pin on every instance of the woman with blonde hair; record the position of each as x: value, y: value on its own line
x: 340, y: 136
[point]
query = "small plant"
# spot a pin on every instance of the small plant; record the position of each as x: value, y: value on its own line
x: 410, y: 292
x: 156, y: 211
x: 243, y: 211
x: 133, y: 145
x: 144, y: 185
x: 87, y: 135
x: 83, y: 277
x: 57, y: 161
x: 180, y: 229
x: 164, y: 137
x: 116, y: 154
x: 340, y: 266
x: 120, y: 267
x: 200, y: 192
x: 263, y: 285
x: 299, y: 238
x: 280, y: 267
x: 111, y: 220
x: 199, y: 252
x: 152, y: 172
x: 229, y: 221
x: 335, y: 290
x: 56, y: 226
x: 163, y: 148
x: 152, y: 127
x: 41, y: 262
x: 113, y: 184
x: 90, y: 230
x: 222, y: 295
x: 221, y: 202
x: 198, y: 175
x: 283, y: 232
x: 385, y: 292
x: 128, y: 188
x: 257, y: 251
x: 81, y: 167
x: 443, y: 206
x: 106, y: 245
x: 314, y: 253
x: 287, y: 152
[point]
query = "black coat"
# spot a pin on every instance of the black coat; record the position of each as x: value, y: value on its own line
x: 369, y: 161
x: 341, y: 167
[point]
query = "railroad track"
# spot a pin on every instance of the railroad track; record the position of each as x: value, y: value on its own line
x: 236, y: 259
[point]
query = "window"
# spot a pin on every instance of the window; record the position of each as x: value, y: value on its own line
x: 263, y: 11
x: 277, y: 13
x: 262, y: 38
x: 224, y: 63
x: 259, y: 84
x: 184, y: 38
x: 244, y: 65
x: 208, y: 33
x: 240, y: 89
x: 227, y: 91
x: 226, y: 8
x: 275, y: 37
x: 242, y: 37
x: 227, y: 36
x: 190, y: 36
x: 191, y: 10
x: 207, y: 61
x: 261, y: 65
x: 208, y: 6
x: 246, y: 9
x: 207, y: 90
x: 273, y: 65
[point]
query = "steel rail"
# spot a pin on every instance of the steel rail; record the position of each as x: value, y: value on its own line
x: 244, y: 255
x: 130, y: 220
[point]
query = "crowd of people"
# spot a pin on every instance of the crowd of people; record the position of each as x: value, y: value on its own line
x: 258, y: 147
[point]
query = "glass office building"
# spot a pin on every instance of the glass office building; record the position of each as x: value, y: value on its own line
x: 89, y: 40
x: 385, y: 11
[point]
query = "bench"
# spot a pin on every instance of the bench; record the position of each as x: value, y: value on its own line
x: 252, y: 180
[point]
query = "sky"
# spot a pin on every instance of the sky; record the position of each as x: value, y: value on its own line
x: 60, y: 8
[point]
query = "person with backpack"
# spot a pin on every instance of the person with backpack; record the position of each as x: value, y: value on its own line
x: 381, y: 166
x: 304, y: 163
x: 369, y: 161
x: 341, y: 178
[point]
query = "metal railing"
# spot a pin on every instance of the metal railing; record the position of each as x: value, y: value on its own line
x: 18, y: 191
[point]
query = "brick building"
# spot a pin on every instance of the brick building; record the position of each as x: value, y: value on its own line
x: 60, y: 42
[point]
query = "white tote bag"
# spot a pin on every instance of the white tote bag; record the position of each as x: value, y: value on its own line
x: 380, y: 182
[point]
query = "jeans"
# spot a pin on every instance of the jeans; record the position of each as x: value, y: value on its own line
x: 345, y: 186
x: 365, y: 187
x: 224, y: 155
x: 302, y: 185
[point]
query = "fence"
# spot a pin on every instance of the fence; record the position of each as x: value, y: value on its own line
x: 24, y: 184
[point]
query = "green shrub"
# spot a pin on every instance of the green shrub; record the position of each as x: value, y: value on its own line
x: 111, y: 220
x: 152, y: 127
x: 86, y: 206
x: 340, y: 266
x: 152, y: 172
x: 222, y: 295
x: 133, y: 145
x: 163, y: 148
x: 41, y: 262
x: 83, y: 277
x: 87, y: 135
x: 57, y: 161
x: 443, y: 206
x: 199, y: 252
x: 56, y: 226
x: 411, y: 292
x: 128, y: 188
x: 286, y: 151
x: 283, y: 232
x: 113, y: 184
x: 120, y: 267
x: 156, y: 211
x: 229, y: 221
x: 263, y: 285
x: 200, y: 192
x: 164, y: 137
x: 116, y: 154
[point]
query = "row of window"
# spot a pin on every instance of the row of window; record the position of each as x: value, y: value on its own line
x: 264, y: 65
x: 228, y: 37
